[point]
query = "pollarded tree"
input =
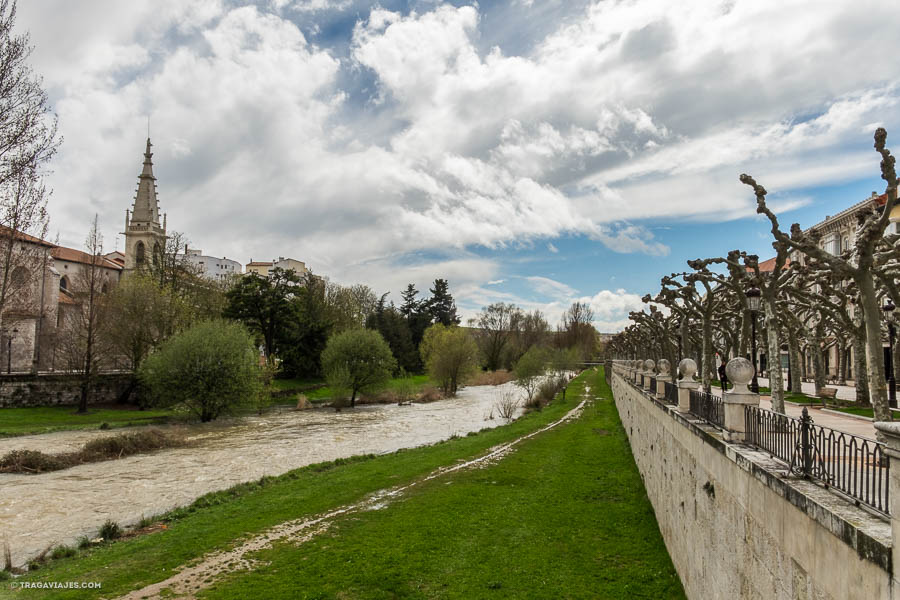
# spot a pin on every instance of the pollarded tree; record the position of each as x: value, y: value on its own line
x: 359, y: 361
x: 858, y: 265
x: 450, y: 355
x: 210, y: 368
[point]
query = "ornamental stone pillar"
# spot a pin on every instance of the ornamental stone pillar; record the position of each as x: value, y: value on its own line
x: 889, y: 433
x: 739, y: 371
x: 687, y: 367
x: 662, y: 378
x: 649, y: 366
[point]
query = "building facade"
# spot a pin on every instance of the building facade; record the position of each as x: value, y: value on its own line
x: 212, y: 267
x: 265, y: 268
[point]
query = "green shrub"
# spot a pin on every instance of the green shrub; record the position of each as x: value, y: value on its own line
x: 110, y: 530
x: 5, y: 575
x: 84, y: 542
x: 210, y: 368
x: 62, y: 551
x: 357, y: 361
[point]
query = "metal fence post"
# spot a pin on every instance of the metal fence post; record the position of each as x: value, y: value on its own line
x: 804, y: 442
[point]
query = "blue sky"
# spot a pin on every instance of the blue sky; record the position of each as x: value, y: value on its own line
x: 536, y: 152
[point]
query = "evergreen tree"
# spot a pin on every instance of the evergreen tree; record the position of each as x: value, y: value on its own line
x: 410, y: 304
x: 441, y: 305
x: 394, y: 328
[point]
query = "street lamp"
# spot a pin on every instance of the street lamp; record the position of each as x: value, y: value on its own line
x: 888, y: 309
x: 753, y: 299
x: 9, y: 342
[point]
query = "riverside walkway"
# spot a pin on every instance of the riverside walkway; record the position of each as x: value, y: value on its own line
x: 825, y: 418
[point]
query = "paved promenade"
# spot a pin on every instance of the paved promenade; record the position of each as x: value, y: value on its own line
x: 840, y: 422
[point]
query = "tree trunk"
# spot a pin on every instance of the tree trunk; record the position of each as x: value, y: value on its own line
x: 794, y: 357
x: 776, y: 382
x: 841, y: 359
x: 860, y: 377
x: 874, y: 349
x: 706, y: 367
x: 353, y: 399
x: 818, y: 360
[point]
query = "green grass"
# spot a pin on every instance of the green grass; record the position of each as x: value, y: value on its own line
x: 802, y: 399
x: 298, y: 384
x: 855, y: 410
x: 563, y: 516
x: 23, y: 421
x: 324, y: 393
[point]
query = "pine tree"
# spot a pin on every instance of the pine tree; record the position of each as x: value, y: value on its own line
x: 441, y: 306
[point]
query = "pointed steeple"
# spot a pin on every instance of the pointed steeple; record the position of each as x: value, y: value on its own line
x: 146, y: 204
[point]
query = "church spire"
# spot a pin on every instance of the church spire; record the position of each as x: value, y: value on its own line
x: 146, y: 204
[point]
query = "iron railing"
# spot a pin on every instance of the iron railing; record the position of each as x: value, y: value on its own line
x: 708, y: 407
x: 671, y: 393
x: 652, y: 385
x: 854, y: 465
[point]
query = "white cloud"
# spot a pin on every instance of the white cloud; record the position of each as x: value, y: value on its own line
x: 550, y: 287
x: 552, y: 248
x: 267, y: 144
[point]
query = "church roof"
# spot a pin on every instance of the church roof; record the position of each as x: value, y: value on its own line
x: 146, y: 204
x: 72, y: 255
x: 24, y: 237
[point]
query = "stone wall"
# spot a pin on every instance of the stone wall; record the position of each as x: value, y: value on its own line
x: 736, y: 526
x: 58, y: 389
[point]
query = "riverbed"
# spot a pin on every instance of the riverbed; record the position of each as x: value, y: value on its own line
x: 37, y: 511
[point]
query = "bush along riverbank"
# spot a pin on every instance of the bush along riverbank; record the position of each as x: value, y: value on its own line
x: 105, y: 448
x: 562, y: 512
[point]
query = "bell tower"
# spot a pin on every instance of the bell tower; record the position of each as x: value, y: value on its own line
x: 145, y: 238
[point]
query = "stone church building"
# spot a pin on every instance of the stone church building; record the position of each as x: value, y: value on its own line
x: 46, y: 280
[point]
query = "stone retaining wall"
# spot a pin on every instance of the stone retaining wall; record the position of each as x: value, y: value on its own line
x: 60, y: 389
x: 736, y: 526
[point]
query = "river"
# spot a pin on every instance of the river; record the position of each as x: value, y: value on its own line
x: 37, y: 511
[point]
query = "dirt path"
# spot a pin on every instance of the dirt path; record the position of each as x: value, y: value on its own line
x: 187, y: 582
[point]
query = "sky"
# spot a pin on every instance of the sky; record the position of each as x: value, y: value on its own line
x: 533, y: 152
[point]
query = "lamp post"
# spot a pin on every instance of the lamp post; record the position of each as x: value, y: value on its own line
x: 888, y: 309
x: 9, y: 341
x: 753, y: 299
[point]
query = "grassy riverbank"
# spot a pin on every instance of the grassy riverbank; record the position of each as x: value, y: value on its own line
x: 564, y: 515
x: 45, y: 419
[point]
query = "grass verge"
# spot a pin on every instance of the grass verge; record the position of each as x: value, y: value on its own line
x: 563, y: 516
x: 45, y: 419
x: 589, y: 527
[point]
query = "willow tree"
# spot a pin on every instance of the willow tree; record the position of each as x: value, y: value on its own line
x: 858, y: 266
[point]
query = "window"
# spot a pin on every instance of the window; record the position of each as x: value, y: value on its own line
x: 64, y: 283
x: 845, y: 243
x: 139, y: 253
x: 832, y: 244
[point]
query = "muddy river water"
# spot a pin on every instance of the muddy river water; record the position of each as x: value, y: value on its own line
x: 37, y: 511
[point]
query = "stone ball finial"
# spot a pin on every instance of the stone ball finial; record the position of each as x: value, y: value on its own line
x: 687, y: 367
x: 636, y: 364
x: 739, y: 371
x: 649, y: 364
x: 664, y: 366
